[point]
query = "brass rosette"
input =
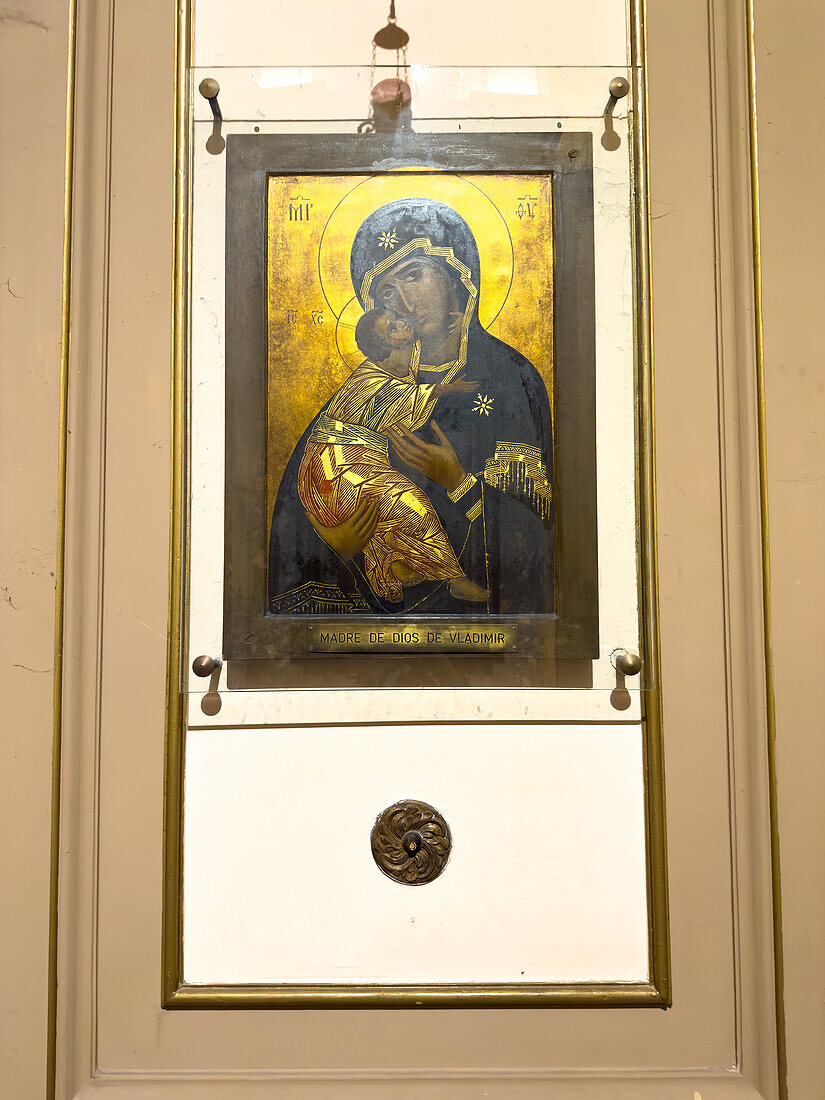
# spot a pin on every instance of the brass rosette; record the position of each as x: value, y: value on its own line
x: 411, y: 842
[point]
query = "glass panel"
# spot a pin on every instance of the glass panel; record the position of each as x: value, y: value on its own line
x: 537, y: 760
x: 539, y: 101
x: 341, y: 93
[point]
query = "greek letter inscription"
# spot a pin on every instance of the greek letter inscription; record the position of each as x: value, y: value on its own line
x: 299, y: 209
x: 526, y: 206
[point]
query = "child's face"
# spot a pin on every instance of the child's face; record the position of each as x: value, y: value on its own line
x: 394, y: 330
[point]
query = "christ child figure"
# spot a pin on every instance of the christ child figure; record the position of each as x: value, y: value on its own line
x: 347, y: 461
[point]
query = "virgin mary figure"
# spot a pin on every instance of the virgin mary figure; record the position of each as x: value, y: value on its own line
x: 484, y: 463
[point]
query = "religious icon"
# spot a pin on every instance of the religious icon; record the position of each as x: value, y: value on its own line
x: 427, y: 473
x: 410, y: 392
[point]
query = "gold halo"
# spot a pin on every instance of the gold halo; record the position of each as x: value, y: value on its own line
x: 345, y: 333
x: 486, y: 223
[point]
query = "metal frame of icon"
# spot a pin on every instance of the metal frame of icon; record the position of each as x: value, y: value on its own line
x: 410, y: 359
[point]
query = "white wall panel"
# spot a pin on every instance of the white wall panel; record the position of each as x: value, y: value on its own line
x: 545, y: 882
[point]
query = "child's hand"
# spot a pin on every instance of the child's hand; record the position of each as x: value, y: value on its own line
x: 455, y: 326
x: 461, y: 385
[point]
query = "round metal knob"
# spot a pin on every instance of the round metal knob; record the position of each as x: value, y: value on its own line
x: 629, y: 664
x: 209, y: 87
x: 411, y: 842
x: 204, y: 666
x: 619, y: 87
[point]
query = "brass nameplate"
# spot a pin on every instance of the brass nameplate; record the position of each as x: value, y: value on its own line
x: 412, y: 637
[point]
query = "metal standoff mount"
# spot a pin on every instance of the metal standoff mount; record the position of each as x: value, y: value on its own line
x: 626, y: 662
x: 204, y: 665
x: 619, y: 87
x: 209, y: 88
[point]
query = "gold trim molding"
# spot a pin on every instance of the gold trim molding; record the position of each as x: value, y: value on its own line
x: 770, y: 697
x: 60, y: 557
x: 655, y: 993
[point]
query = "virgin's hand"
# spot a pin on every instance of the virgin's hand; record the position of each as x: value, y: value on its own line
x: 354, y: 533
x: 437, y: 461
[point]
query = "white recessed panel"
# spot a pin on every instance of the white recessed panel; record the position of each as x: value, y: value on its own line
x: 326, y: 32
x: 545, y: 883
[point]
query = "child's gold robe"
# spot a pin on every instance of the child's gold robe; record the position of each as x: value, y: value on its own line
x: 347, y: 460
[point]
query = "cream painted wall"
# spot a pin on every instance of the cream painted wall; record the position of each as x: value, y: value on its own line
x: 33, y: 54
x: 459, y: 32
x: 789, y: 38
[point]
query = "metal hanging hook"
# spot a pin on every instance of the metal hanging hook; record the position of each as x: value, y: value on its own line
x: 390, y: 99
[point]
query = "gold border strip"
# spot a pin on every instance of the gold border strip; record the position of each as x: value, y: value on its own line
x: 509, y: 995
x: 652, y: 725
x: 60, y: 555
x: 770, y: 698
x: 172, y: 943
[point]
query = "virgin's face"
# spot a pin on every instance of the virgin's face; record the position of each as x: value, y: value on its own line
x: 420, y: 292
